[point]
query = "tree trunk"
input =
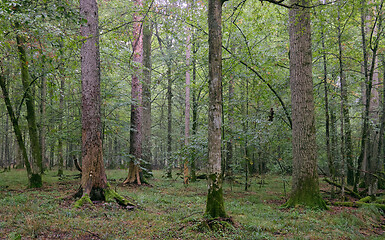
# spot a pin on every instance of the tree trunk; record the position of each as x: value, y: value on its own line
x: 135, y: 175
x: 305, y: 185
x: 194, y: 116
x: 34, y: 177
x: 187, y: 108
x: 94, y: 180
x: 346, y: 133
x: 215, y: 204
x: 330, y: 157
x: 61, y: 120
x: 36, y: 163
x: 147, y: 144
x: 169, y: 123
x: 43, y: 122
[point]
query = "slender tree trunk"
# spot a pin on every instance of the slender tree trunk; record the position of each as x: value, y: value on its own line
x: 147, y: 144
x: 61, y: 120
x: 33, y: 175
x: 229, y: 157
x: 134, y: 172
x: 43, y: 122
x: 327, y: 117
x: 187, y: 108
x: 194, y: 115
x: 215, y: 203
x: 346, y: 135
x: 305, y: 186
x: 169, y: 123
x: 36, y: 163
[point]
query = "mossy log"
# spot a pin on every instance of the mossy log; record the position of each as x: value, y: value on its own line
x: 359, y: 204
x: 348, y: 190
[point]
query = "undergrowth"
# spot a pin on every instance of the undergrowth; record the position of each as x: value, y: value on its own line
x: 170, y: 210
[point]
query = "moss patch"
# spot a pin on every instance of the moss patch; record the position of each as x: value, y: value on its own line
x: 35, y: 181
x: 83, y: 200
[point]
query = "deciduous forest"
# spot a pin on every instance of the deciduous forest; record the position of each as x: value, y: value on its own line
x: 192, y: 119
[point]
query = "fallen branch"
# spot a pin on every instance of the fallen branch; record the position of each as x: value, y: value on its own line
x: 359, y: 204
x: 348, y: 190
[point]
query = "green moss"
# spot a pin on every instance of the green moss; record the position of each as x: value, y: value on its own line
x: 307, y: 195
x: 83, y: 200
x: 215, y: 205
x: 111, y: 196
x: 367, y: 199
x: 35, y: 181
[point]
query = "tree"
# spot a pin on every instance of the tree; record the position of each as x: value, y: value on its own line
x: 134, y: 172
x: 187, y: 106
x: 305, y: 186
x: 147, y: 144
x: 94, y: 179
x: 215, y: 203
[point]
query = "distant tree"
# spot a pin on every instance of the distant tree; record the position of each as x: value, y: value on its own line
x: 305, y: 186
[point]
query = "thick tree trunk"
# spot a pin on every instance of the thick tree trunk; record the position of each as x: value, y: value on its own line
x: 135, y: 175
x: 305, y: 185
x: 94, y: 179
x: 215, y: 203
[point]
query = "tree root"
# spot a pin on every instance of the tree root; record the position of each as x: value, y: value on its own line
x: 108, y: 194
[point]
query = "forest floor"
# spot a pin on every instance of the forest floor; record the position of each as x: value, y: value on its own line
x: 170, y: 210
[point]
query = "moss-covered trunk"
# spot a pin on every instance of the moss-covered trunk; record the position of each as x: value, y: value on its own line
x: 36, y: 163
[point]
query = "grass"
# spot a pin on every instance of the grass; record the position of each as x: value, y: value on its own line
x: 170, y: 210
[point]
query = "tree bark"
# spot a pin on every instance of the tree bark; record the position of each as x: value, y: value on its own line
x: 135, y: 175
x: 147, y: 144
x: 32, y: 175
x: 60, y: 116
x: 215, y: 203
x: 36, y: 163
x: 346, y: 133
x: 94, y: 180
x: 187, y: 107
x: 305, y: 185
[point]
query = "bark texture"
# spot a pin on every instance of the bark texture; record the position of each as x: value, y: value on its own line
x: 36, y: 163
x: 94, y: 179
x: 305, y: 186
x: 215, y: 203
x: 187, y: 108
x: 147, y: 144
x: 134, y: 172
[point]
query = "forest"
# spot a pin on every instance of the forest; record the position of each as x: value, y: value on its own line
x: 192, y: 119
